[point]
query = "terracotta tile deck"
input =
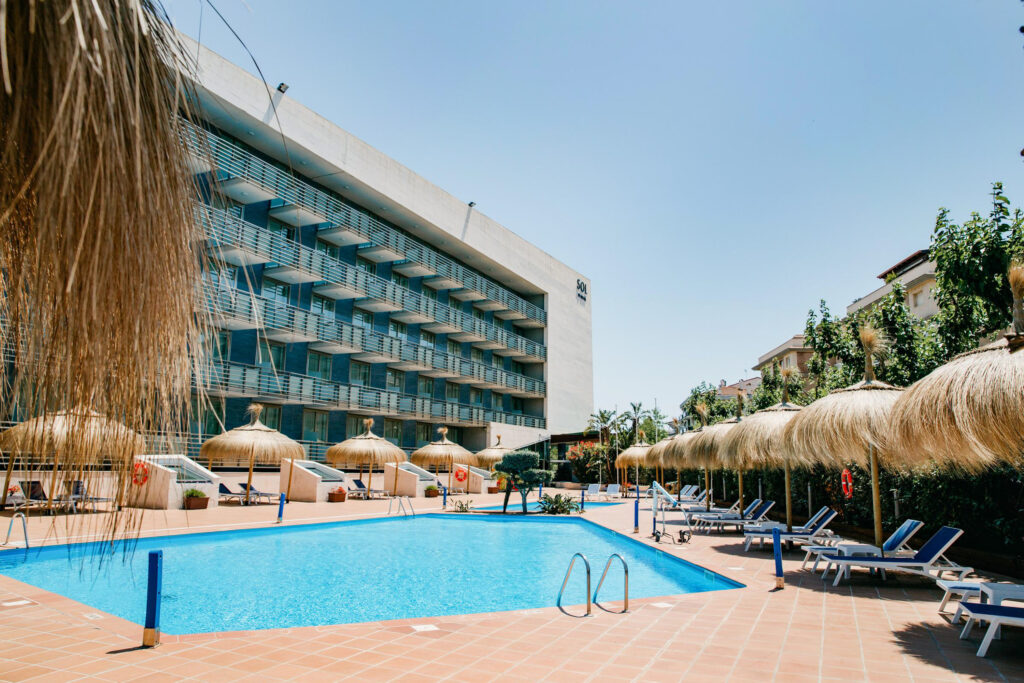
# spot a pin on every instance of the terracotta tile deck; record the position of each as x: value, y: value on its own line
x: 806, y: 632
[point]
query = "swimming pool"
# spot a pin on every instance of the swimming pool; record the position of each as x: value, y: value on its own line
x: 366, y: 570
x: 517, y: 505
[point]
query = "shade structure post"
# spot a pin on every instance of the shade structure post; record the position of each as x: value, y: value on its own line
x: 876, y: 498
x: 789, y: 497
x: 53, y: 482
x: 291, y: 470
x: 394, y: 487
x: 252, y: 463
x: 7, y: 479
x: 707, y: 488
x: 451, y: 466
x: 739, y: 476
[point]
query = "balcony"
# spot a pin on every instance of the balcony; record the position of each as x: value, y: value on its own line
x: 296, y: 215
x: 252, y: 381
x: 247, y: 178
x: 234, y: 309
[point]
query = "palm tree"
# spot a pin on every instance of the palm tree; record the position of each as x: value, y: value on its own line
x: 635, y: 415
x: 604, y: 422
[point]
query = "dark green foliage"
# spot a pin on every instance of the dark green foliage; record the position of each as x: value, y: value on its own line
x: 718, y: 409
x: 559, y: 504
x: 770, y: 391
x: 521, y: 470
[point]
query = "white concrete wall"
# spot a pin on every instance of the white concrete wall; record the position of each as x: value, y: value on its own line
x: 306, y: 486
x: 237, y: 102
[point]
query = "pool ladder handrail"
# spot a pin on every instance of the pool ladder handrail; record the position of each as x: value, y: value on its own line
x: 402, y: 502
x: 568, y: 573
x: 625, y: 578
x: 24, y: 529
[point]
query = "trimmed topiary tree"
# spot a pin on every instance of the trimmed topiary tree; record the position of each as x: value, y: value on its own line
x: 521, y: 470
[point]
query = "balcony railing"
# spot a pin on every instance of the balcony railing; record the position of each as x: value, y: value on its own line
x: 245, y: 308
x: 227, y: 229
x: 236, y: 162
x: 253, y: 381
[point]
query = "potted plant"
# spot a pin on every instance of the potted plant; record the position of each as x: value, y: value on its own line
x: 196, y: 500
x: 496, y: 487
x: 431, y: 491
x: 338, y: 495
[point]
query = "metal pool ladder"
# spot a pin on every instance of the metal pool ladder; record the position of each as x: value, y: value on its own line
x: 24, y: 529
x: 568, y: 573
x: 625, y: 570
x: 403, y: 501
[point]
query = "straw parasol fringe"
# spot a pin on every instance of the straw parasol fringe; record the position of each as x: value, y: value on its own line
x: 256, y: 441
x: 98, y: 247
x: 443, y: 452
x: 492, y: 455
x: 366, y: 449
x: 968, y: 414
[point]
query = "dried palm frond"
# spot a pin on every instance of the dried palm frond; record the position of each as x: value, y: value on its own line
x: 442, y: 452
x: 705, y: 448
x: 254, y: 443
x: 968, y: 414
x: 1016, y: 278
x: 701, y: 408
x: 365, y: 449
x: 676, y: 452
x: 492, y: 455
x: 635, y: 455
x: 756, y: 441
x: 98, y: 247
x: 875, y: 345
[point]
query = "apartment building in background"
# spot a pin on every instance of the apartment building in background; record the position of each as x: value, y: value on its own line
x: 917, y: 275
x: 346, y: 286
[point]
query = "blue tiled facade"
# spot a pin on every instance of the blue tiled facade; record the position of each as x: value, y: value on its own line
x: 327, y: 314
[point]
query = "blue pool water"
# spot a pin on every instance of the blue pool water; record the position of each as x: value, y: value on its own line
x: 517, y: 505
x: 367, y: 570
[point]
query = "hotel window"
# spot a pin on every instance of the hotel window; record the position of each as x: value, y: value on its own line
x: 327, y: 249
x: 318, y: 365
x: 422, y: 434
x: 496, y: 360
x: 395, y: 380
x: 275, y: 290
x: 496, y: 401
x: 517, y: 404
x: 454, y: 347
x: 427, y: 338
x: 455, y: 434
x: 363, y: 319
x: 396, y: 328
x: 218, y: 347
x: 451, y: 392
x: 314, y: 425
x: 354, y: 425
x: 399, y: 279
x: 366, y: 265
x: 517, y: 367
x: 476, y: 354
x: 393, y: 431
x: 917, y: 299
x: 271, y: 416
x: 478, y: 314
x: 322, y: 305
x: 212, y: 411
x: 221, y: 274
x: 269, y: 354
x: 359, y: 373
x: 476, y: 397
x: 430, y: 293
x: 279, y: 228
x: 425, y: 386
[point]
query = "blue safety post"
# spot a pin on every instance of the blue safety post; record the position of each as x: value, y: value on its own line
x: 540, y: 491
x: 583, y: 499
x: 444, y: 496
x: 151, y: 630
x: 780, y: 581
x: 636, y: 516
x: 280, y: 507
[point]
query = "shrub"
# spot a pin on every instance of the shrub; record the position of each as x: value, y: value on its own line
x: 431, y: 487
x: 194, y: 493
x: 559, y: 504
x: 462, y: 506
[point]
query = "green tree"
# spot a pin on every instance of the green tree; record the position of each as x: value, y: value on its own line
x: 718, y: 409
x: 635, y: 415
x: 521, y: 470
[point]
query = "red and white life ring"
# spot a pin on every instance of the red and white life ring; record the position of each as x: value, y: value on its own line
x: 460, y: 475
x: 140, y: 473
x: 847, y: 483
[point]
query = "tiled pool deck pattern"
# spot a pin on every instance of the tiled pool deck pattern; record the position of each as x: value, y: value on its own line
x: 805, y: 632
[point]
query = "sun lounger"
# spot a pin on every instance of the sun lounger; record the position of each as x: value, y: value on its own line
x: 611, y: 491
x: 254, y: 493
x: 997, y: 616
x: 225, y: 493
x: 928, y: 561
x: 895, y: 545
x: 755, y: 518
x: 78, y: 493
x: 362, y: 492
x: 812, y: 532
x: 592, y: 491
x: 35, y: 496
x: 692, y: 510
x: 697, y: 518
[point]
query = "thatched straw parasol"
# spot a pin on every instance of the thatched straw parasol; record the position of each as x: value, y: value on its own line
x: 255, y: 441
x: 491, y: 456
x: 674, y: 453
x: 757, y: 441
x: 443, y: 452
x: 74, y: 438
x: 850, y: 425
x: 969, y: 413
x: 705, y: 449
x: 366, y: 449
x: 634, y: 456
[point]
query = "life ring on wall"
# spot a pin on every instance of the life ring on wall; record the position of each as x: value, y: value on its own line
x: 140, y: 473
x: 847, y: 484
x: 460, y: 475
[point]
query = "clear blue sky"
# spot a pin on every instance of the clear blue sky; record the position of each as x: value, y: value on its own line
x: 716, y: 168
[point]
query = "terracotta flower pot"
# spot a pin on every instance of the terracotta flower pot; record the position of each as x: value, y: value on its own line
x: 493, y: 489
x: 431, y: 493
x: 196, y: 503
x: 337, y: 496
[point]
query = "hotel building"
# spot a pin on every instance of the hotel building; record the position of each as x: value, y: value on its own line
x: 346, y: 286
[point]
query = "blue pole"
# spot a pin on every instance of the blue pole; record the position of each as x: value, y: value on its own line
x: 540, y: 490
x: 780, y: 581
x: 280, y: 507
x: 583, y: 499
x: 444, y: 496
x: 636, y: 516
x: 154, y: 588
